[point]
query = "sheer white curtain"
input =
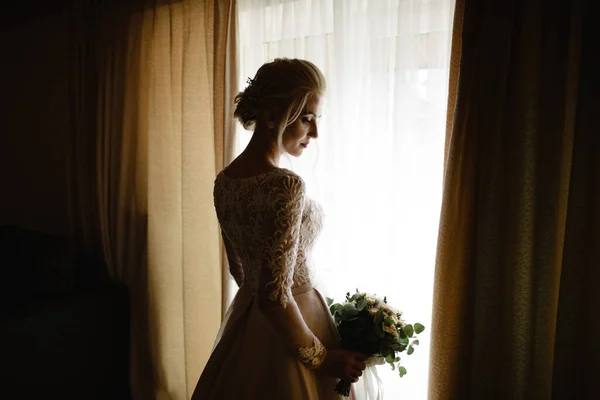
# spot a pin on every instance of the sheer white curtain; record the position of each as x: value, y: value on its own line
x: 377, y: 168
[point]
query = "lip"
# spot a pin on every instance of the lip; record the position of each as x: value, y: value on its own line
x: 305, y: 145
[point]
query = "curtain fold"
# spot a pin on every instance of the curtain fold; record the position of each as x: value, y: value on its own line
x: 226, y: 88
x: 107, y: 171
x: 148, y: 87
x: 511, y: 274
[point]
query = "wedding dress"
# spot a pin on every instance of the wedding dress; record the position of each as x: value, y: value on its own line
x: 269, y: 226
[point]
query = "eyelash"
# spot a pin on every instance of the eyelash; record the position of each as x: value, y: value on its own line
x: 306, y: 120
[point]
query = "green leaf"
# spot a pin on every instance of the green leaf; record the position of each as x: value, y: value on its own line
x: 390, y: 357
x: 408, y: 329
x: 415, y: 342
x: 329, y: 301
x: 349, y: 311
x: 361, y: 304
x: 388, y: 321
x: 410, y: 350
x: 393, y: 366
x: 419, y: 328
x: 402, y: 371
x: 336, y: 309
x: 396, y: 346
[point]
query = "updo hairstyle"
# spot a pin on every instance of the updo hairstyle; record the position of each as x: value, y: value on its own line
x: 283, y: 87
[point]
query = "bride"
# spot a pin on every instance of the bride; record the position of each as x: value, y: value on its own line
x: 278, y: 339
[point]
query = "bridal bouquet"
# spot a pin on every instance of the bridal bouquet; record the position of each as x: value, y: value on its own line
x: 369, y: 325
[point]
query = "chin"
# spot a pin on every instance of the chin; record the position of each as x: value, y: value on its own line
x: 295, y: 152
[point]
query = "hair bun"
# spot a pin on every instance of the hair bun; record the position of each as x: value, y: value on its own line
x: 246, y: 109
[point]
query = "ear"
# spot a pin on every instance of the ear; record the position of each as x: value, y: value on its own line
x: 270, y: 119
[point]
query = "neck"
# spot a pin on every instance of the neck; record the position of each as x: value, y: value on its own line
x: 263, y: 147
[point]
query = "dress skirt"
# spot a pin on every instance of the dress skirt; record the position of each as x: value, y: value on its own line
x: 250, y: 361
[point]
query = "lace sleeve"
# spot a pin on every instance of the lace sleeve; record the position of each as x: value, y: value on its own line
x: 277, y: 272
x: 281, y: 246
x: 235, y: 263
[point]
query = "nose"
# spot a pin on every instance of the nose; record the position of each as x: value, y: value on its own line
x: 314, y: 132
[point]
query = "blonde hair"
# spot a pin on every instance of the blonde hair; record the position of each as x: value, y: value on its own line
x: 285, y: 85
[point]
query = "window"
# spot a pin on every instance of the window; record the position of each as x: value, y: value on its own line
x: 377, y: 167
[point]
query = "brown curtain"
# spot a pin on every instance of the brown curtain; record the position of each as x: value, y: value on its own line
x: 148, y: 85
x: 107, y: 175
x: 516, y: 299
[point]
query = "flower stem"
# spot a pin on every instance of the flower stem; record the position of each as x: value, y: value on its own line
x: 343, y: 388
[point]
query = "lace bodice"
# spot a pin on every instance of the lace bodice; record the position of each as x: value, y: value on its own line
x: 271, y: 226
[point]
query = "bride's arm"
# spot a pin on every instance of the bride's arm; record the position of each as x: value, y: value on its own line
x: 235, y: 263
x: 276, y: 278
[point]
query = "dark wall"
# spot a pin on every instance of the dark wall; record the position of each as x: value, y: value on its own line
x: 34, y: 123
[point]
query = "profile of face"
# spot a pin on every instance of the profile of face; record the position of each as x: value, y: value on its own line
x: 297, y: 136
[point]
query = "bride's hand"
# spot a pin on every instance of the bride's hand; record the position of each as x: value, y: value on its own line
x: 344, y: 364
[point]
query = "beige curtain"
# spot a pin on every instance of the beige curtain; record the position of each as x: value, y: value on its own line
x: 186, y: 98
x: 515, y: 299
x: 149, y: 88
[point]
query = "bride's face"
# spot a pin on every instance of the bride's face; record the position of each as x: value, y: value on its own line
x: 297, y: 137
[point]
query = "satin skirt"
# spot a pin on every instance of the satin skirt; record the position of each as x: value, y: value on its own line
x: 249, y: 360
